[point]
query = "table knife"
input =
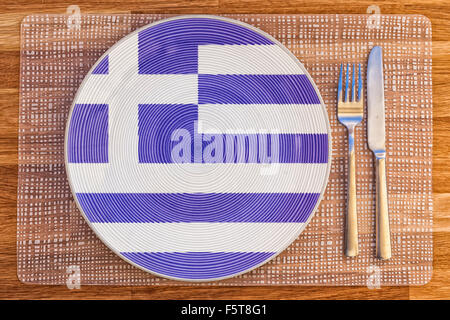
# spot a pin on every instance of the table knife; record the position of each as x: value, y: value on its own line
x: 376, y: 141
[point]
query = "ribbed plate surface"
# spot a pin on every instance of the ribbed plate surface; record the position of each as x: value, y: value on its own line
x: 197, y: 148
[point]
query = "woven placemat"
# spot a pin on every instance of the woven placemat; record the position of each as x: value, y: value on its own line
x: 53, y: 240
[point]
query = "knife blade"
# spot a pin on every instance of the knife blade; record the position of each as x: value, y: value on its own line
x: 375, y: 102
x: 377, y: 143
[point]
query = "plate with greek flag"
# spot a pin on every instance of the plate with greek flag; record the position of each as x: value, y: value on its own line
x: 198, y: 148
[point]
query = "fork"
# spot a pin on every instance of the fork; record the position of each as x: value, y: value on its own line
x: 350, y: 113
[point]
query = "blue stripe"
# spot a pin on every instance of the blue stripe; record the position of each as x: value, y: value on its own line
x: 197, y: 265
x: 158, y: 122
x: 303, y: 148
x: 197, y: 207
x: 256, y: 89
x: 102, y: 67
x: 172, y: 47
x: 88, y: 134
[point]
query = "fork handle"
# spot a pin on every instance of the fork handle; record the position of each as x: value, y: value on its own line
x: 351, y: 224
x: 382, y: 211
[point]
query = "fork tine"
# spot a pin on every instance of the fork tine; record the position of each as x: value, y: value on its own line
x: 346, y: 96
x: 353, y: 83
x: 359, y: 83
x: 340, y: 85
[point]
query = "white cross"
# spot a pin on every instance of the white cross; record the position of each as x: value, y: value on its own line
x: 123, y: 89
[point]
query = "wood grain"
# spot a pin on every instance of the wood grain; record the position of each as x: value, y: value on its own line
x: 11, y: 15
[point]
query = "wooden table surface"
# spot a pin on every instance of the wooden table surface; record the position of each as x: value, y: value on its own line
x: 13, y: 11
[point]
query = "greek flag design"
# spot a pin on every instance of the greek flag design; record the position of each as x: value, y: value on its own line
x: 197, y: 148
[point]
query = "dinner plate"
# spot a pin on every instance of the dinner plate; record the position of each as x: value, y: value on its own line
x: 198, y: 148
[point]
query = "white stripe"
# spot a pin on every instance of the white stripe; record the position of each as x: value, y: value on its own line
x: 123, y: 65
x: 140, y: 88
x: 235, y: 118
x: 185, y: 237
x: 198, y: 177
x: 246, y: 59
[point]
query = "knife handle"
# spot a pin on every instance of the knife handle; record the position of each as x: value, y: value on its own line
x: 382, y: 211
x: 351, y: 224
